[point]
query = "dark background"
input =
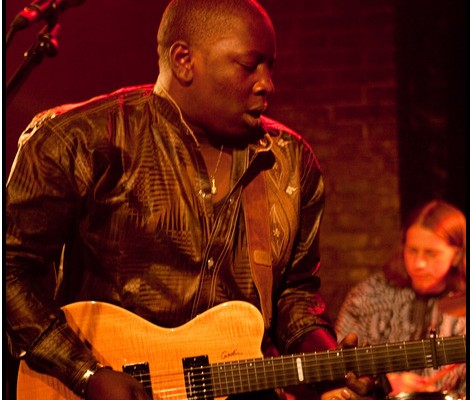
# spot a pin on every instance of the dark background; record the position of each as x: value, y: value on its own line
x: 104, y: 45
x: 379, y: 88
x: 433, y: 101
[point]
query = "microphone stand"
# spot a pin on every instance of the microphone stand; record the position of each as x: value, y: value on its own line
x: 46, y: 44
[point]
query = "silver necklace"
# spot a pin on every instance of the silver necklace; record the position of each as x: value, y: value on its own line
x: 213, y: 177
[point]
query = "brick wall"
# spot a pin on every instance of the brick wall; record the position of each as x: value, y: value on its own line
x: 335, y: 84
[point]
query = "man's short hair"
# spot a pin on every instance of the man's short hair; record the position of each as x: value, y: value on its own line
x: 201, y: 21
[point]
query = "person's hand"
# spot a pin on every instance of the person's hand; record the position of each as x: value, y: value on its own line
x: 107, y: 384
x: 356, y: 388
x: 409, y: 382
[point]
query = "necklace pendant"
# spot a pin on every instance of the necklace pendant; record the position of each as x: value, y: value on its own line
x: 213, y: 184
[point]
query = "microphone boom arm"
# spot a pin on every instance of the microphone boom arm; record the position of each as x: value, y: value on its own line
x: 46, y: 44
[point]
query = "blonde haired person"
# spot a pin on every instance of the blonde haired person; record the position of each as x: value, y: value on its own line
x: 422, y: 289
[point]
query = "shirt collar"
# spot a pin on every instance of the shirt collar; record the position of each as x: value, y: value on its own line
x: 171, y: 109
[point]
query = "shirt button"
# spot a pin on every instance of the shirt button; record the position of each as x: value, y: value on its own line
x: 203, y: 194
x: 210, y: 263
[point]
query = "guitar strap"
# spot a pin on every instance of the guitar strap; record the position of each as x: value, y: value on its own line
x: 256, y: 214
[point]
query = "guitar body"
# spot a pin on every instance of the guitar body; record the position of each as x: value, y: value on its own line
x: 227, y: 332
x: 218, y: 354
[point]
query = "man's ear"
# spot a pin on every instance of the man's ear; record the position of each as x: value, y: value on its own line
x: 181, y: 62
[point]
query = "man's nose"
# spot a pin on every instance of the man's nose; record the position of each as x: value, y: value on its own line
x: 420, y: 261
x: 264, y: 85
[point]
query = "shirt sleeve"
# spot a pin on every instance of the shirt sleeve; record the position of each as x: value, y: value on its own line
x: 42, y: 201
x: 300, y: 307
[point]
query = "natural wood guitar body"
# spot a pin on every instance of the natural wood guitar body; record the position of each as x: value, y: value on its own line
x: 218, y: 354
x: 231, y: 331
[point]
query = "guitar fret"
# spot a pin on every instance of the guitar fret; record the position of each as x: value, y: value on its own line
x: 216, y: 379
x: 292, y: 379
x: 443, y: 346
x: 372, y: 361
x: 340, y: 364
x: 257, y: 375
x: 232, y: 378
x: 426, y: 356
x: 317, y: 369
x: 226, y: 379
x: 358, y: 365
x: 328, y: 354
x: 389, y: 356
x: 270, y: 364
x: 264, y: 373
x: 249, y: 385
x: 284, y: 376
x: 232, y: 382
x: 242, y: 386
x: 406, y: 356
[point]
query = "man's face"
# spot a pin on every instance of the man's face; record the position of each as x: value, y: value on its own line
x: 232, y: 80
x: 428, y: 259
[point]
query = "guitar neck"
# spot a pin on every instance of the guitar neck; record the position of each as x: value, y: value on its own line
x: 266, y: 373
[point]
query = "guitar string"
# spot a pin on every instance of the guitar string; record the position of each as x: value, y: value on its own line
x: 274, y: 363
x: 327, y: 356
x: 205, y: 390
x: 394, y: 357
x: 244, y: 385
x: 245, y: 378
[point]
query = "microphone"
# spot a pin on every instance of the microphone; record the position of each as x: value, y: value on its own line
x: 41, y: 10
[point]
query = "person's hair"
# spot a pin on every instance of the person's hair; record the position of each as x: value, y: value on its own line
x: 200, y: 21
x: 445, y: 221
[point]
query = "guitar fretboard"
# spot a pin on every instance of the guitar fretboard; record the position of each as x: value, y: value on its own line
x: 266, y: 373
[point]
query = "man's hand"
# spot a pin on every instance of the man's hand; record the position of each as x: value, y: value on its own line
x: 107, y: 384
x: 356, y: 388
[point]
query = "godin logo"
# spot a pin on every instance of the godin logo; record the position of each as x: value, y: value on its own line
x: 229, y: 354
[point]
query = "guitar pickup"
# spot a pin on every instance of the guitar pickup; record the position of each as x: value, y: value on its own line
x: 140, y: 372
x: 198, y: 382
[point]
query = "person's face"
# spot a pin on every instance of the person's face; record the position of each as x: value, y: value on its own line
x: 232, y: 80
x: 428, y: 259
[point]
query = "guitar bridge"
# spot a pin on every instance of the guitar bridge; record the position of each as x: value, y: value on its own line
x: 197, y: 373
x: 140, y: 372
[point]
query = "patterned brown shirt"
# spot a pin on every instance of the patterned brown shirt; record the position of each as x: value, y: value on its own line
x: 117, y: 190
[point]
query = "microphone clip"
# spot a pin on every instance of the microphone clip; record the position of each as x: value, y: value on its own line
x: 39, y: 10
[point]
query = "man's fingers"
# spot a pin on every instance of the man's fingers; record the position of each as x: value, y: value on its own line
x: 362, y: 385
x: 349, y: 341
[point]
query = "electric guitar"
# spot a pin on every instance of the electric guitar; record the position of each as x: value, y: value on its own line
x: 217, y: 354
